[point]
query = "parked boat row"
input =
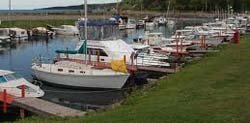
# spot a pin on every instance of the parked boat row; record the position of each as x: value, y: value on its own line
x: 108, y: 63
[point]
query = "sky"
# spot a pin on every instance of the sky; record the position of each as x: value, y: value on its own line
x: 34, y: 4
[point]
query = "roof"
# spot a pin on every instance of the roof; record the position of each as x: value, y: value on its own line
x: 17, y: 29
x: 4, y: 72
x: 139, y: 46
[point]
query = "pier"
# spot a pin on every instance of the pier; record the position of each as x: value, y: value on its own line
x: 46, y: 108
x: 37, y: 106
x: 158, y: 69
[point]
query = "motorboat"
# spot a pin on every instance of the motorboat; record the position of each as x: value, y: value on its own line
x: 170, y: 23
x: 4, y: 36
x: 42, y: 31
x: 140, y: 24
x: 76, y: 75
x: 146, y: 57
x: 14, y: 83
x: 99, y: 50
x: 67, y: 30
x: 18, y: 34
x: 131, y: 24
x: 162, y: 21
x: 155, y: 38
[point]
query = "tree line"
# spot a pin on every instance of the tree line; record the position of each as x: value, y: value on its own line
x: 194, y: 5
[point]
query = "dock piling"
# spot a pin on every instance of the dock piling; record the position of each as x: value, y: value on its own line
x: 5, y: 106
x: 22, y: 111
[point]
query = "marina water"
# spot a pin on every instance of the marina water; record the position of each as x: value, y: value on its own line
x: 18, y: 57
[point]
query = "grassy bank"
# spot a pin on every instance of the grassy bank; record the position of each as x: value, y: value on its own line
x: 215, y: 89
x: 29, y: 24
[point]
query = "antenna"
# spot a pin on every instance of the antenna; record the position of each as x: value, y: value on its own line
x: 85, y: 32
x: 9, y: 12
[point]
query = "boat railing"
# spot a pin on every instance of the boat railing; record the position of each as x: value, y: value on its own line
x: 42, y: 60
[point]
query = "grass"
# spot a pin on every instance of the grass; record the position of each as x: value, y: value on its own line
x: 29, y: 24
x: 216, y: 90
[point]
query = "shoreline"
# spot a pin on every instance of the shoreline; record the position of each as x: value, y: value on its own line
x: 135, y: 14
x: 191, y: 95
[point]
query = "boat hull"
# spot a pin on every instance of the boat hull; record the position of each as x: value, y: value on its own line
x: 82, y: 81
x: 67, y: 33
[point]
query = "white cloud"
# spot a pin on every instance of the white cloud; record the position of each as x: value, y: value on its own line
x: 31, y: 4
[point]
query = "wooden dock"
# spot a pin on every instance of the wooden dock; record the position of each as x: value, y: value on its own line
x: 46, y: 108
x: 157, y: 69
x: 203, y: 51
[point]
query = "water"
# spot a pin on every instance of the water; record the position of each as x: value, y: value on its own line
x: 19, y: 57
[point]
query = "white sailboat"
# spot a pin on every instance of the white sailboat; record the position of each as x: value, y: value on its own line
x: 67, y: 30
x: 76, y: 75
x: 13, y: 84
x: 72, y: 74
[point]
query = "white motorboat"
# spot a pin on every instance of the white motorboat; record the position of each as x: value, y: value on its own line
x: 42, y: 31
x: 67, y: 30
x: 131, y: 24
x: 140, y: 24
x: 13, y: 84
x: 18, y: 34
x: 170, y: 23
x: 155, y: 38
x: 162, y: 21
x: 4, y: 36
x: 146, y: 57
x: 76, y: 75
x: 4, y: 39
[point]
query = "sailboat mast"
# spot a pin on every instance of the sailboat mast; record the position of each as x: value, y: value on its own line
x: 86, y: 30
x: 9, y: 13
x: 169, y: 2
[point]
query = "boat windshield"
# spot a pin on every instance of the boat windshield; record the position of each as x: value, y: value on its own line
x: 2, y: 79
x: 12, y: 76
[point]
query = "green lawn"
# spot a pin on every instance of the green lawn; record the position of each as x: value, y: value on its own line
x: 215, y: 90
x: 29, y: 24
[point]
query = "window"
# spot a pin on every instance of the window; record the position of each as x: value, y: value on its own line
x: 17, y: 76
x: 10, y: 77
x: 94, y: 51
x: 2, y: 79
x: 60, y: 70
x: 71, y: 71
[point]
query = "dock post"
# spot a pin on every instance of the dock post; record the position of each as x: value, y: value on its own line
x: 89, y: 56
x: 125, y: 59
x: 201, y: 42
x: 22, y: 112
x: 177, y: 45
x: 236, y: 37
x: 5, y: 101
x: 98, y: 56
x: 176, y: 67
x: 132, y: 60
